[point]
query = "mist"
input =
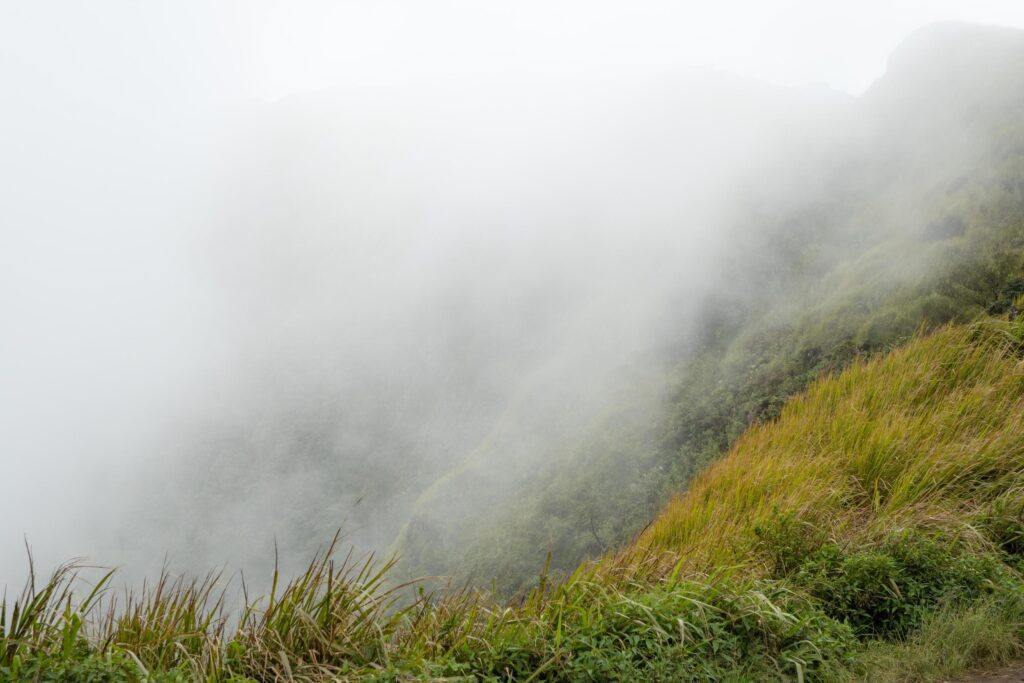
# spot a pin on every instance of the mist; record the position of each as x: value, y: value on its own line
x: 267, y: 272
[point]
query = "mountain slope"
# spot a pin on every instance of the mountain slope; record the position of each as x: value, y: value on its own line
x: 926, y: 436
x: 919, y: 223
x: 429, y: 291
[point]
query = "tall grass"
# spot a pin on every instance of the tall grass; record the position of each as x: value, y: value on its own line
x: 337, y: 621
x: 929, y: 435
x: 950, y: 641
x: 745, y: 577
x: 46, y: 618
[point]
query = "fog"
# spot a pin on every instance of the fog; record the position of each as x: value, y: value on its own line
x: 270, y: 270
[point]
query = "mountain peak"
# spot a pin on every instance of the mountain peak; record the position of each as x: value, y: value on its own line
x: 951, y: 72
x: 953, y: 56
x: 956, y: 44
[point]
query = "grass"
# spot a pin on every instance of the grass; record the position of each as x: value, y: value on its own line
x: 873, y: 532
x: 321, y: 628
x: 924, y: 436
x: 950, y: 641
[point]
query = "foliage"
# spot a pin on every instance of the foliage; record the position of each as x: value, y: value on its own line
x: 887, y: 591
x: 951, y: 639
x: 880, y: 446
x: 1003, y: 523
x: 786, y: 541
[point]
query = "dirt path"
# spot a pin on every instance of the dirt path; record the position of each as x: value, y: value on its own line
x: 1011, y: 675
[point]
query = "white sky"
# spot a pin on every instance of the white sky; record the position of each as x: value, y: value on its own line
x: 309, y: 44
x: 259, y: 48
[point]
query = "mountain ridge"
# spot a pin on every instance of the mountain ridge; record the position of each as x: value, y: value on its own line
x: 850, y: 295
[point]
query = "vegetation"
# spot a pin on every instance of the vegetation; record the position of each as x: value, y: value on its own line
x: 841, y: 288
x: 866, y: 521
x: 872, y: 532
x: 918, y: 224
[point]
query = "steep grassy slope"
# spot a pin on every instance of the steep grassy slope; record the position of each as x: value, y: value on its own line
x: 920, y: 223
x: 874, y: 531
x: 927, y: 436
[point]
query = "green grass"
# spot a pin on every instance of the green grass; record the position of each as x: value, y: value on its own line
x: 924, y: 436
x: 323, y: 628
x: 873, y: 532
x: 950, y: 641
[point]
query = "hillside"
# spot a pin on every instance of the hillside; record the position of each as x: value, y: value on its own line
x: 873, y: 531
x: 546, y: 385
x: 425, y: 309
x: 924, y: 437
x: 914, y: 225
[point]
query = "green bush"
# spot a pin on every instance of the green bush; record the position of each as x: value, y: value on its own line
x: 886, y: 591
x: 686, y: 631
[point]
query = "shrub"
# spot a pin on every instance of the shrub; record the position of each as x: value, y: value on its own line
x: 886, y: 591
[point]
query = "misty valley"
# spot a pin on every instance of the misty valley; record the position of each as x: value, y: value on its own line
x: 682, y: 376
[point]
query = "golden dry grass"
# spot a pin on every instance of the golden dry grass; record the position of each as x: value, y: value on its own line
x: 926, y: 435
